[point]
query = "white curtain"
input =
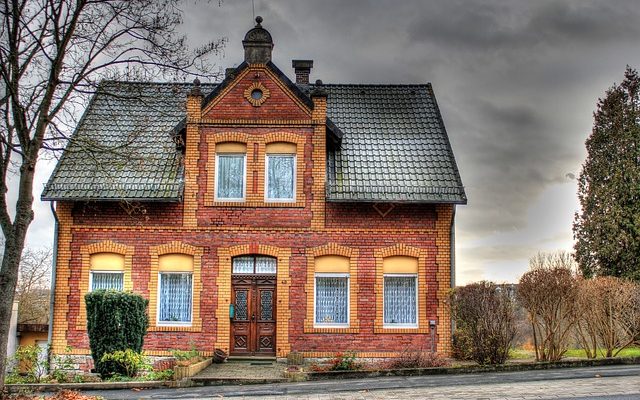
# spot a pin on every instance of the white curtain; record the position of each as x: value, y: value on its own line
x: 230, y: 176
x: 280, y: 177
x: 332, y: 300
x: 105, y: 280
x: 243, y: 265
x: 400, y: 300
x: 265, y: 265
x: 175, y: 298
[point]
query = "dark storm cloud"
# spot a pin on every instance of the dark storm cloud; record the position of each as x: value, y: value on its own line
x: 516, y: 81
x: 501, y: 25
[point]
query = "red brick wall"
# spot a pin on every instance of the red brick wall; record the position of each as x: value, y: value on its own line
x: 366, y: 340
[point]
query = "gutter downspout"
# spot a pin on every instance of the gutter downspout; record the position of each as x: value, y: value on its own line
x: 53, y: 282
x: 452, y: 244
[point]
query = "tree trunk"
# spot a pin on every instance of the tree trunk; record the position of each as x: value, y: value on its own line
x: 14, y: 244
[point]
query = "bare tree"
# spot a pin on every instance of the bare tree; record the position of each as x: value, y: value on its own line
x: 609, y: 315
x: 53, y: 53
x: 34, y: 286
x: 549, y: 292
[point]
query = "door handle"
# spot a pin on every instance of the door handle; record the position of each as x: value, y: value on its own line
x: 253, y: 317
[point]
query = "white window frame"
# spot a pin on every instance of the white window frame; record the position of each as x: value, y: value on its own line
x: 158, y: 294
x: 401, y: 326
x: 103, y: 272
x: 266, y: 178
x: 244, y: 178
x: 315, y: 300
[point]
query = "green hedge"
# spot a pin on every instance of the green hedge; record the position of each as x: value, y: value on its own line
x: 116, y: 321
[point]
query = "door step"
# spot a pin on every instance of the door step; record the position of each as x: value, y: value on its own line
x: 252, y: 359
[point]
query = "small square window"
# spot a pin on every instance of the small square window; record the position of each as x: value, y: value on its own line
x: 230, y: 176
x: 400, y: 301
x: 107, y: 280
x: 175, y: 298
x: 280, y: 177
x: 332, y: 300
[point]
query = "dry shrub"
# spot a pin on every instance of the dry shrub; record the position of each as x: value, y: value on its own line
x: 549, y: 293
x: 609, y: 315
x: 417, y: 359
x: 484, y: 313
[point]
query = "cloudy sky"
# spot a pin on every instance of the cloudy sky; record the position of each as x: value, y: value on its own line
x: 516, y: 81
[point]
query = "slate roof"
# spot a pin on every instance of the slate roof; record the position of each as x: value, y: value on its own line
x: 394, y: 146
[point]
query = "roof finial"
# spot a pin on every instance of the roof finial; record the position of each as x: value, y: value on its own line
x: 259, y: 21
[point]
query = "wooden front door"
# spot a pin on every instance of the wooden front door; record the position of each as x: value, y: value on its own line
x: 253, y: 326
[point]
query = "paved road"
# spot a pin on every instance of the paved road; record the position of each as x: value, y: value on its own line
x: 609, y: 383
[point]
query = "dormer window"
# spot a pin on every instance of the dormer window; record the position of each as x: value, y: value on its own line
x: 231, y: 160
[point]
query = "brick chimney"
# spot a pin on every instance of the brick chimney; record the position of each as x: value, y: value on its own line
x: 303, y: 70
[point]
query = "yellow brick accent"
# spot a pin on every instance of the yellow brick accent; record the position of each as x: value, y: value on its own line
x: 191, y: 156
x: 177, y: 248
x: 421, y: 256
x: 60, y: 324
x: 85, y: 255
x: 319, y: 163
x: 256, y: 163
x: 338, y: 250
x: 443, y: 260
x: 283, y: 312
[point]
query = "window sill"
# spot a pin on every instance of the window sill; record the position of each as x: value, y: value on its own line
x: 257, y: 204
x: 174, y: 328
x: 399, y: 329
x: 318, y: 329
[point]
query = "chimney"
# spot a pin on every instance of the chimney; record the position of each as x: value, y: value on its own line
x: 303, y: 70
x: 257, y: 44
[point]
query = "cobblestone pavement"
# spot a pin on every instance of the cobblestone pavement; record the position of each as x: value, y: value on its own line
x: 626, y: 387
x: 609, y: 382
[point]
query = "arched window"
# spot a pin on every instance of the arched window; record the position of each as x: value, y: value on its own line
x: 231, y: 163
x: 331, y: 307
x: 175, y: 294
x: 400, y: 292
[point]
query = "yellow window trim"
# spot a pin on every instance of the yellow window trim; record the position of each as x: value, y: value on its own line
x: 107, y: 262
x: 400, y: 265
x: 231, y: 147
x: 281, y: 148
x: 332, y: 264
x: 175, y: 263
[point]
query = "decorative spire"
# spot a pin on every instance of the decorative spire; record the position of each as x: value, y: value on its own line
x: 257, y: 44
x: 195, y: 90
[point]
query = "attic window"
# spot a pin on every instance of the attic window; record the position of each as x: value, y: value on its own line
x: 256, y: 94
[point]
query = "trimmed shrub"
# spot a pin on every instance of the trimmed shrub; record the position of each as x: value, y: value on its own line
x: 116, y: 321
x: 485, y: 321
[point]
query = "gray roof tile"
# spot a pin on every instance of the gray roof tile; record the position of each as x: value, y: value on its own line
x: 394, y: 146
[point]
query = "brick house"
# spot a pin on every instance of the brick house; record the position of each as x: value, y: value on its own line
x: 260, y: 216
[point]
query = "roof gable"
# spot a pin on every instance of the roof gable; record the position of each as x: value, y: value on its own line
x: 280, y: 98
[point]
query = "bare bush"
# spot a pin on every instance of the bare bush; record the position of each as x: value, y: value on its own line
x: 609, y: 315
x: 485, y: 317
x: 411, y: 358
x: 549, y: 293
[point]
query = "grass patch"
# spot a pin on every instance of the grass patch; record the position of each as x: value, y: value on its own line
x: 519, y: 353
